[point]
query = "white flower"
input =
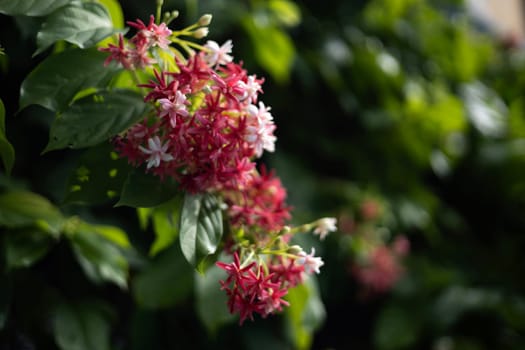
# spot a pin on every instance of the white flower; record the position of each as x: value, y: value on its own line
x: 250, y: 89
x: 259, y: 132
x: 217, y: 55
x: 325, y: 226
x: 156, y: 151
x: 310, y: 262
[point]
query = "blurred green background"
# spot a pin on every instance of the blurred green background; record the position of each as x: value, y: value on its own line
x: 398, y: 117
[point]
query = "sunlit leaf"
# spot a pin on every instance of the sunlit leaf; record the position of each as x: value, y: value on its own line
x: 81, y: 326
x: 31, y: 7
x: 305, y: 314
x: 83, y: 25
x: 286, y: 11
x: 21, y: 208
x: 100, y: 259
x: 146, y: 190
x: 96, y: 118
x: 274, y: 50
x: 57, y: 80
x: 115, y: 12
x: 165, y: 225
x: 98, y: 176
x: 167, y: 281
x: 200, y: 228
x: 7, y: 152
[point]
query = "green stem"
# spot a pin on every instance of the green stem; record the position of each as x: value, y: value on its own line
x: 159, y: 11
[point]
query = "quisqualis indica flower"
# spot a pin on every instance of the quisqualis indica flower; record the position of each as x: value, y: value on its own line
x: 156, y: 152
x: 218, y: 55
x: 325, y: 226
x: 310, y: 262
x: 174, y: 108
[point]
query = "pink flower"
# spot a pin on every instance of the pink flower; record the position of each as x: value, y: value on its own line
x: 119, y: 53
x: 156, y: 152
x: 150, y: 35
x: 174, y: 108
x: 259, y: 129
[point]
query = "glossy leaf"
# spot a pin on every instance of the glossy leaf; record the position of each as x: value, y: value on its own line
x: 98, y: 176
x: 21, y: 208
x: 30, y: 7
x: 56, y: 81
x: 115, y: 12
x: 200, y: 228
x: 83, y: 25
x: 7, y: 152
x: 100, y: 259
x: 81, y: 326
x: 211, y: 301
x: 167, y: 281
x: 26, y: 246
x: 142, y: 190
x: 94, y: 119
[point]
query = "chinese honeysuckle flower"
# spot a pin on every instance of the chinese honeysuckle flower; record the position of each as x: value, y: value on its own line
x: 173, y: 108
x: 250, y: 89
x: 325, y: 226
x: 218, y: 55
x: 259, y: 131
x: 157, y: 152
x: 310, y: 262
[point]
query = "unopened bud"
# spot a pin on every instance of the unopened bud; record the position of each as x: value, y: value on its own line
x: 295, y: 250
x: 205, y: 20
x: 174, y: 14
x: 201, y: 33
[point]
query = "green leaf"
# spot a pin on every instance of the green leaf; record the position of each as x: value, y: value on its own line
x: 305, y: 314
x: 166, y: 225
x: 274, y: 50
x: 96, y: 118
x: 100, y: 259
x: 167, y: 281
x: 55, y: 82
x: 7, y: 152
x: 287, y: 12
x: 98, y: 176
x: 83, y: 25
x: 200, y: 228
x: 82, y: 326
x: 211, y: 300
x: 142, y: 190
x: 21, y: 208
x: 26, y: 246
x: 115, y: 12
x: 30, y: 7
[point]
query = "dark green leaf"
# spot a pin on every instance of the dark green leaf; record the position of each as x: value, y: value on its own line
x: 96, y: 118
x: 83, y: 25
x: 200, y: 228
x: 56, y: 81
x: 81, y: 326
x: 98, y: 176
x: 21, y: 208
x: 7, y: 152
x: 24, y: 247
x: 167, y: 281
x: 31, y: 7
x: 142, y: 190
x: 211, y: 300
x: 99, y: 257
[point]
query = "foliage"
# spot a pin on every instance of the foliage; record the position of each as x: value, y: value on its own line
x: 401, y: 118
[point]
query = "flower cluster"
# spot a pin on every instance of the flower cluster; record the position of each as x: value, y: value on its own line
x: 377, y: 264
x: 206, y: 129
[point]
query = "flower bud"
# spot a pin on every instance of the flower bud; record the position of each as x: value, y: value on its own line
x: 205, y: 20
x: 295, y: 250
x: 201, y: 33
